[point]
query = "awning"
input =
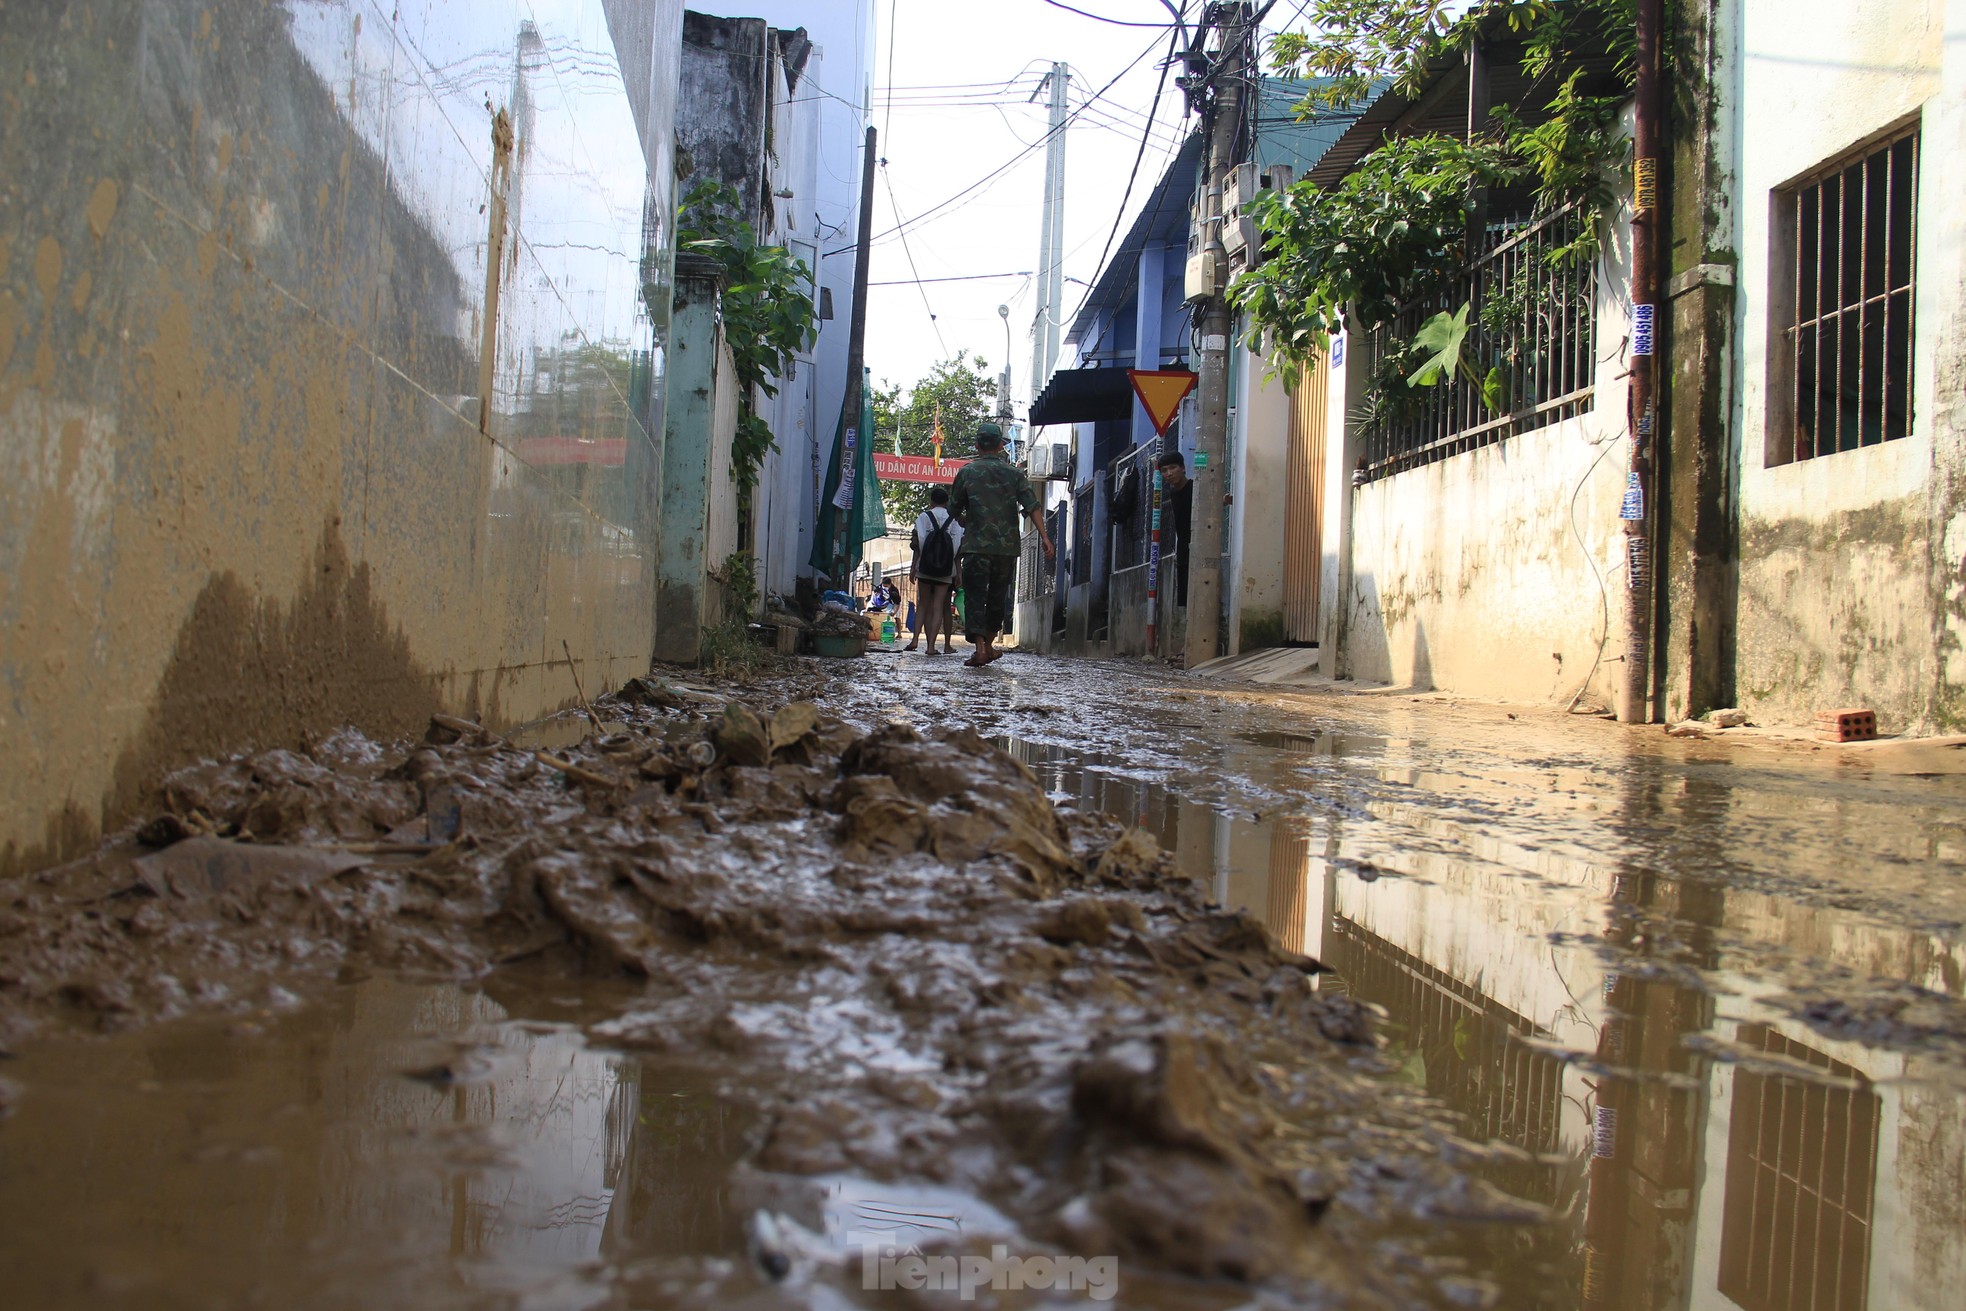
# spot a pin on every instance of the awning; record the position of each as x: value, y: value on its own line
x: 1083, y: 396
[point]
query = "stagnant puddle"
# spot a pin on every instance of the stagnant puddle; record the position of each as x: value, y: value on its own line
x: 1628, y: 1048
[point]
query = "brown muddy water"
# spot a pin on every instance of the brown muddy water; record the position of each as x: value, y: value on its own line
x: 1647, y: 1024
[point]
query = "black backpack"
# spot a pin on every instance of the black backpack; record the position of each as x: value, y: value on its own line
x: 938, y: 557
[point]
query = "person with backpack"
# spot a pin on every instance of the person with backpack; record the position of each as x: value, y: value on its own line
x: 937, y: 542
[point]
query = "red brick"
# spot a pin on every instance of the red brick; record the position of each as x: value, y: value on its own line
x: 1846, y: 725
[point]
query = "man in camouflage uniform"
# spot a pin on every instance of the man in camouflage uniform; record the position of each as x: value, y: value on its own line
x: 986, y: 500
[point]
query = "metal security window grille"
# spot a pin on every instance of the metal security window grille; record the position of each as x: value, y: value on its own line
x: 1801, y: 1172
x: 1532, y: 314
x: 1035, y: 577
x: 1082, y: 537
x: 1472, y: 1047
x: 1132, y: 506
x: 1844, y: 372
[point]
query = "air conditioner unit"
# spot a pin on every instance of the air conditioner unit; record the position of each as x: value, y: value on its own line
x: 1239, y: 189
x: 1204, y: 277
x: 1051, y: 462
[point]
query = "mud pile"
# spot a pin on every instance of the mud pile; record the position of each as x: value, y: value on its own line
x: 917, y: 966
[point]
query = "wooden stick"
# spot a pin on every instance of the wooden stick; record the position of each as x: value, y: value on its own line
x: 572, y: 770
x: 576, y: 687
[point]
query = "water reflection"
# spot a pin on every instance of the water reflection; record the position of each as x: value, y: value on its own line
x: 1600, y: 1008
x: 302, y: 1164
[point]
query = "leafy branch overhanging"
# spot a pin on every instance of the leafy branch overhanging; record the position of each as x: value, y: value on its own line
x: 1396, y: 230
x: 768, y: 315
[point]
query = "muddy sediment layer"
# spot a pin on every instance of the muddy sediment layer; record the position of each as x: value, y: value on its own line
x: 919, y: 966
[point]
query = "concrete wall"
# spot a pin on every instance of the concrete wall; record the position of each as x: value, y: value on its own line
x: 1468, y: 574
x: 292, y: 437
x: 721, y: 111
x: 1851, y: 563
x: 1259, y: 480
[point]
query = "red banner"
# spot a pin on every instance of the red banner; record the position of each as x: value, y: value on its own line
x: 915, y: 468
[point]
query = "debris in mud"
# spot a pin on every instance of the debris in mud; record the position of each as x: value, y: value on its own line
x: 917, y: 966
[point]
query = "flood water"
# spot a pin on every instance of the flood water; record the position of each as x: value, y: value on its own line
x: 1701, y: 1002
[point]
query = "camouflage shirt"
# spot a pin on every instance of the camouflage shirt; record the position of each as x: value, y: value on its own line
x: 989, y: 498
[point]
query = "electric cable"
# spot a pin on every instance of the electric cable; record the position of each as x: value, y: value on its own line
x: 1120, y: 216
x: 1101, y: 18
x: 956, y: 277
x: 893, y: 22
x: 909, y: 252
x: 1013, y: 161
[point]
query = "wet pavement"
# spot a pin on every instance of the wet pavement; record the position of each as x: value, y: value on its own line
x: 1688, y: 1013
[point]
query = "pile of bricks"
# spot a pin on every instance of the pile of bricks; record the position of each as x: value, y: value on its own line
x: 1849, y: 725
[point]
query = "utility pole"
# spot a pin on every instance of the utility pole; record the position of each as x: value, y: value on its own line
x: 1639, y: 512
x: 1047, y: 331
x: 1212, y: 387
x: 856, y: 355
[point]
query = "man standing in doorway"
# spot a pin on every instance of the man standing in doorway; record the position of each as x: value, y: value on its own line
x: 1177, y: 511
x: 988, y: 496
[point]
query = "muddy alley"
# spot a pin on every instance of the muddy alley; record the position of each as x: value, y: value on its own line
x: 1054, y: 983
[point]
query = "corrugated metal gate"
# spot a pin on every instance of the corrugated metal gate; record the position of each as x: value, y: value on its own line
x: 1304, y: 507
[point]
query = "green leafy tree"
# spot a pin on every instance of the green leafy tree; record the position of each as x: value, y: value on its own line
x: 1350, y: 47
x: 1395, y: 231
x: 767, y: 311
x: 967, y: 394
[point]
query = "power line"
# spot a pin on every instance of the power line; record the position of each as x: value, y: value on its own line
x: 906, y: 250
x: 1014, y: 160
x: 1101, y: 18
x: 893, y: 23
x: 958, y: 277
x: 1120, y: 216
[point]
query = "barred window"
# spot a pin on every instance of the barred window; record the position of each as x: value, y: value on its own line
x: 1532, y: 301
x: 1801, y: 1176
x: 1845, y: 266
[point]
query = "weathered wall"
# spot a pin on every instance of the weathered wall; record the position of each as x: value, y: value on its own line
x: 1846, y: 564
x: 1468, y: 574
x: 251, y: 487
x: 724, y: 101
x: 1259, y: 482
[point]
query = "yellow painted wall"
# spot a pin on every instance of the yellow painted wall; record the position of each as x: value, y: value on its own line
x: 250, y: 485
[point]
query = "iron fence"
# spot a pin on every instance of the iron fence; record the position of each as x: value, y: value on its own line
x: 1532, y: 340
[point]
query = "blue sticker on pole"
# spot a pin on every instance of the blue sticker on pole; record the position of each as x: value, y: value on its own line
x: 1634, y: 506
x: 1642, y: 316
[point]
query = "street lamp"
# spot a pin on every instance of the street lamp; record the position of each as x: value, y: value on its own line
x: 1003, y: 379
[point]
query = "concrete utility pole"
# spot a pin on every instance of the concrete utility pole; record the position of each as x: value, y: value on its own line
x: 1212, y: 387
x: 1047, y: 331
x: 1635, y: 689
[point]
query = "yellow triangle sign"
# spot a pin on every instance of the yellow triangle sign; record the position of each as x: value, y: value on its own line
x: 1161, y: 390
